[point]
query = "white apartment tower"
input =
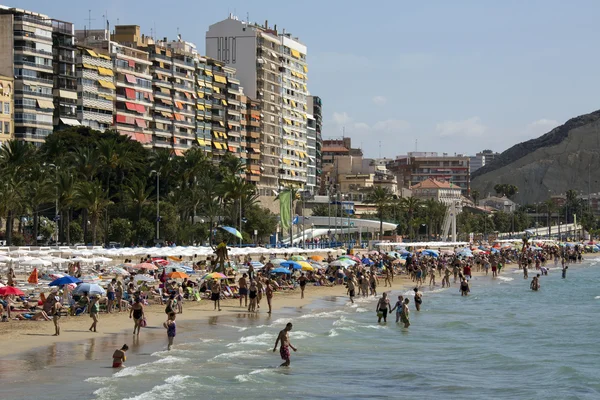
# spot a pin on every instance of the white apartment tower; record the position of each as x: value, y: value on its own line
x: 271, y: 66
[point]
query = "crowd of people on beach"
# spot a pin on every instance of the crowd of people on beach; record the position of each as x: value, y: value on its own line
x: 360, y: 274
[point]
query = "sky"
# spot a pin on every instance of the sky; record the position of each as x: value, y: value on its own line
x: 454, y: 76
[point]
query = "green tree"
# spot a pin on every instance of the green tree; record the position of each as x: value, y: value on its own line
x: 410, y: 206
x: 121, y: 231
x: 381, y: 198
x: 91, y: 197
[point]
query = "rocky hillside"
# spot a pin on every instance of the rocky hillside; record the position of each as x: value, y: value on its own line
x: 551, y: 164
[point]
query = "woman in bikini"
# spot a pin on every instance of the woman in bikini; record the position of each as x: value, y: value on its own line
x: 137, y: 312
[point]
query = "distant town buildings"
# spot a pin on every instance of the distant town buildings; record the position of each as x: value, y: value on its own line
x: 432, y: 189
x: 481, y: 159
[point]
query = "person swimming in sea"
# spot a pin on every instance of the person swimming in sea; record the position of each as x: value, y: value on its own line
x: 284, y: 349
x: 119, y: 357
x: 535, y: 283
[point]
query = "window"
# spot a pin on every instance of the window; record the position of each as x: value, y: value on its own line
x: 6, y: 108
x: 1, y: 108
x: 7, y: 127
x: 1, y: 128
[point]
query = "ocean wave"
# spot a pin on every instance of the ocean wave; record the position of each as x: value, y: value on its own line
x: 324, y: 314
x: 149, y: 367
x: 168, y: 390
x: 104, y: 392
x: 333, y: 333
x: 505, y: 279
x: 250, y: 377
x: 344, y: 321
x: 255, y: 340
x: 597, y: 297
x: 299, y: 335
x: 99, y: 380
x: 239, y: 354
x: 361, y: 310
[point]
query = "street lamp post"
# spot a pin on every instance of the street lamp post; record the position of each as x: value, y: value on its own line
x: 157, y: 203
x: 56, y: 217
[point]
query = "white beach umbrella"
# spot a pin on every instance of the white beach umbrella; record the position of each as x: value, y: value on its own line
x: 4, y: 258
x: 101, y: 259
x: 37, y: 262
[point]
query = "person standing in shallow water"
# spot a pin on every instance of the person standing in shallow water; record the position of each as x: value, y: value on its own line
x: 405, y: 313
x: 284, y: 349
x: 418, y: 299
x: 171, y: 329
x: 383, y: 306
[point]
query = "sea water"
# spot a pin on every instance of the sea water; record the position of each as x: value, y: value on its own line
x: 503, y: 341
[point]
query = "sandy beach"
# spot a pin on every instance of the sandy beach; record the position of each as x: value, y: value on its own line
x: 25, y: 336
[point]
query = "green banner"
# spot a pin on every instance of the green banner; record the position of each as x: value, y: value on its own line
x: 285, y: 209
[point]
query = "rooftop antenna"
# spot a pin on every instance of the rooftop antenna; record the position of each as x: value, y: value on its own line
x: 416, y: 145
x: 380, y: 149
x: 343, y: 132
x: 105, y: 16
x: 90, y: 19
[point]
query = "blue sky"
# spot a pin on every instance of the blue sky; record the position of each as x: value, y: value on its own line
x: 458, y: 76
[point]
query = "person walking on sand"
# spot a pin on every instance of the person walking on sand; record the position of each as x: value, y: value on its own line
x: 215, y: 294
x: 119, y: 357
x: 405, y: 313
x: 171, y: 328
x: 398, y: 307
x: 110, y: 294
x: 383, y: 306
x: 94, y: 308
x: 170, y: 306
x: 243, y: 284
x: 431, y: 276
x: 137, y: 312
x: 418, y: 299
x: 284, y: 349
x: 56, y: 317
x: 269, y: 294
x: 302, y: 281
x: 388, y: 275
x: 373, y: 283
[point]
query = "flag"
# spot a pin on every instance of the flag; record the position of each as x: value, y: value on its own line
x: 285, y: 208
x: 33, y: 278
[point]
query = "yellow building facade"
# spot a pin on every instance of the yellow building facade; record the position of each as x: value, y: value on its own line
x: 7, y: 90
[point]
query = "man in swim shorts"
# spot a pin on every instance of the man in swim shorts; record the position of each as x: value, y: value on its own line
x: 284, y: 349
x: 243, y: 284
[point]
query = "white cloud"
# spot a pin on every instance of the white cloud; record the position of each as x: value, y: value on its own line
x: 367, y: 135
x: 379, y: 100
x: 341, y: 118
x: 471, y: 127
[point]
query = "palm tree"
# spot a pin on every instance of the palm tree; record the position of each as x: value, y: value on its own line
x: 85, y: 161
x: 137, y: 193
x: 12, y: 196
x: 475, y: 196
x: 65, y: 188
x: 39, y: 190
x: 381, y: 198
x: 240, y: 193
x: 91, y: 197
x: 410, y: 206
x: 550, y: 207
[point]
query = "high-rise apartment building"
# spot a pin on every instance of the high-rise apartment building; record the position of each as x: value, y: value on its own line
x: 26, y: 54
x: 272, y: 69
x: 95, y: 88
x: 311, y: 154
x: 6, y: 109
x: 252, y: 122
x: 65, y: 78
x: 315, y: 109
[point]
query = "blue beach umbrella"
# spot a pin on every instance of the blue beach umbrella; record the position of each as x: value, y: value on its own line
x: 65, y: 280
x: 233, y: 231
x: 90, y: 288
x: 291, y: 264
x: 431, y: 253
x: 367, y: 261
x: 281, y: 271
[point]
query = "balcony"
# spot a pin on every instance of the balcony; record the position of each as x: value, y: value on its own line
x: 33, y: 20
x: 35, y: 79
x: 32, y: 93
x: 29, y: 35
x: 33, y: 65
x: 33, y: 50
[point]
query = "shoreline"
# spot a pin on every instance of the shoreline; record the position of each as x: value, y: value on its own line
x: 37, y: 338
